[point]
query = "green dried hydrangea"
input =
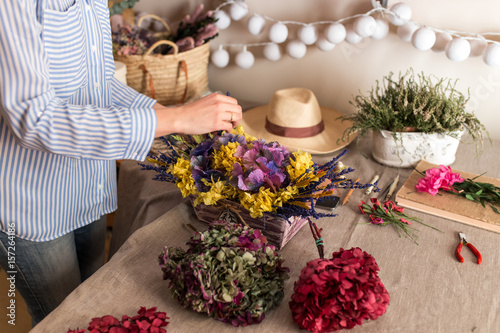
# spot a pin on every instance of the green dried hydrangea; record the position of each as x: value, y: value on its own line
x: 228, y: 272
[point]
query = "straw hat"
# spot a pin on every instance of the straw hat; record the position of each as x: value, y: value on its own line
x: 296, y: 120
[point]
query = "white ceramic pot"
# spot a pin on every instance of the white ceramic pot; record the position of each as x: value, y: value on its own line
x: 406, y: 149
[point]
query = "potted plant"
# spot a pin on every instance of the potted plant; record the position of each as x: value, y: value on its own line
x: 414, y: 117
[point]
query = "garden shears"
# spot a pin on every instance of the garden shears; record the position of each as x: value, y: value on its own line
x: 463, y: 241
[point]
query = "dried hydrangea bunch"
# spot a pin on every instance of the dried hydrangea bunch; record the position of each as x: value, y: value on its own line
x: 338, y: 293
x: 228, y: 272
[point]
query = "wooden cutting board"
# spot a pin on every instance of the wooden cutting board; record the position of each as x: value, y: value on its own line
x: 448, y: 205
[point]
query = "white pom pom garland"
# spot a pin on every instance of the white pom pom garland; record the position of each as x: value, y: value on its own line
x: 381, y: 30
x: 324, y: 45
x: 365, y: 26
x: 401, y: 13
x: 278, y: 33
x: 351, y: 36
x: 458, y: 49
x: 491, y: 55
x: 255, y: 24
x: 457, y: 46
x: 296, y: 49
x: 223, y: 20
x: 272, y: 52
x: 244, y: 59
x: 335, y: 33
x: 308, y: 34
x: 423, y: 39
x: 220, y: 58
x: 238, y: 11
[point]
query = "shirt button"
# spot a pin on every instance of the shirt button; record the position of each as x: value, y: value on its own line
x: 99, y: 187
x: 39, y: 114
x: 93, y: 48
x: 87, y: 7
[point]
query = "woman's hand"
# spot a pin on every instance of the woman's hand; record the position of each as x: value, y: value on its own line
x: 210, y: 113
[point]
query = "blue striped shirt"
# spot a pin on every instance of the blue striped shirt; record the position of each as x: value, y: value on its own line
x: 64, y: 118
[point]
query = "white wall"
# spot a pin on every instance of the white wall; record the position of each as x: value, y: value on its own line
x: 336, y: 76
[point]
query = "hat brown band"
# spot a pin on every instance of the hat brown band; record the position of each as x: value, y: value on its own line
x: 295, y: 132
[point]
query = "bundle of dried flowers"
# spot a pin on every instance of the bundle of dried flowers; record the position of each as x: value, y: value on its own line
x: 228, y: 272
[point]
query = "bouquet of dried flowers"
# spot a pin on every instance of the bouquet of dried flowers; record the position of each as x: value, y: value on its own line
x: 414, y: 103
x: 262, y: 177
x: 146, y: 321
x: 132, y: 40
x: 228, y: 272
x: 193, y: 30
x: 443, y: 178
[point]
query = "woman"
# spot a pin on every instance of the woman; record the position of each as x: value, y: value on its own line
x: 64, y: 120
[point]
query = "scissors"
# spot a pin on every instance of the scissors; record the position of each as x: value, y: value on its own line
x: 470, y: 246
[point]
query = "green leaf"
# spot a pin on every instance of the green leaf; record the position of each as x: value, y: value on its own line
x: 470, y: 197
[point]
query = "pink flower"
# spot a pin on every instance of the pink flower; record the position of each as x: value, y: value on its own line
x: 405, y: 221
x: 360, y: 206
x: 375, y: 201
x: 376, y: 220
x: 398, y: 209
x: 389, y: 204
x: 430, y: 185
x: 438, y: 178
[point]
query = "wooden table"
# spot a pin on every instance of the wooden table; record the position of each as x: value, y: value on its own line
x: 430, y: 290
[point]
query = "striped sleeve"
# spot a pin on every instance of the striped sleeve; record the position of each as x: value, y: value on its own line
x: 143, y: 118
x: 40, y: 109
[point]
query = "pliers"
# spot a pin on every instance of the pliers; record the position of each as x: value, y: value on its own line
x: 470, y: 246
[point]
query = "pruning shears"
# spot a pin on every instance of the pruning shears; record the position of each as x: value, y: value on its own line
x: 463, y: 241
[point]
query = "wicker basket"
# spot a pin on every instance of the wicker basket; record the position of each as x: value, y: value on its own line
x: 278, y: 231
x: 172, y: 78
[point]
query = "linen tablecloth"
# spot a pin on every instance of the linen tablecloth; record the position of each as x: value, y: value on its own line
x: 430, y: 290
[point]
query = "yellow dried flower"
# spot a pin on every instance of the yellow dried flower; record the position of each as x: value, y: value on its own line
x: 182, y: 170
x: 239, y: 130
x: 223, y: 159
x: 218, y: 190
x: 300, y: 164
x: 258, y: 203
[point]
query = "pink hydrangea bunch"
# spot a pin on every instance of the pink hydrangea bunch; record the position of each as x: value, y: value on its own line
x: 438, y: 178
x: 338, y: 293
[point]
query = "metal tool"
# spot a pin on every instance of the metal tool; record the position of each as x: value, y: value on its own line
x: 470, y: 246
x: 389, y: 190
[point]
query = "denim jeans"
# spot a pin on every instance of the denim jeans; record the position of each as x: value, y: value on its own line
x: 46, y: 272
